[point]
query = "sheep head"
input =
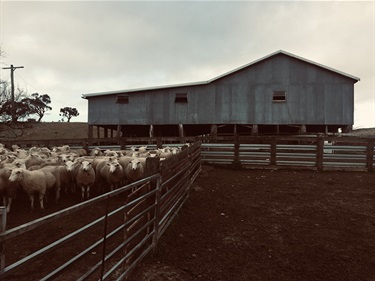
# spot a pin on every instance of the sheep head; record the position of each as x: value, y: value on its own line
x: 113, y: 166
x: 69, y: 165
x: 16, y: 174
x: 86, y: 165
x: 135, y: 164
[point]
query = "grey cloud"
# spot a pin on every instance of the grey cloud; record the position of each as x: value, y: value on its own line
x: 72, y: 48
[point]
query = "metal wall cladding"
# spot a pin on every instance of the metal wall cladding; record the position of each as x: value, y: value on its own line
x: 313, y: 95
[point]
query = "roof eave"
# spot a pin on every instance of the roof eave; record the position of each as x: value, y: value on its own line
x: 85, y: 96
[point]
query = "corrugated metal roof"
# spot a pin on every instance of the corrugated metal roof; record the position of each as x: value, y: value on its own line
x: 221, y: 76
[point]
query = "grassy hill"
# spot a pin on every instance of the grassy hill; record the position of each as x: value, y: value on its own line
x: 79, y: 130
x: 44, y: 130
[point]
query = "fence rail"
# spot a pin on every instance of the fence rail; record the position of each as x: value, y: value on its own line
x: 321, y: 153
x: 125, y: 226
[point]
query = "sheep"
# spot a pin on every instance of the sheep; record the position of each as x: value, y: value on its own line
x: 85, y: 178
x: 113, y: 173
x: 68, y: 172
x: 33, y: 159
x: 63, y: 157
x: 61, y: 149
x: 15, y: 147
x: 108, y: 152
x: 47, y: 162
x: 42, y: 151
x: 53, y: 183
x: 33, y: 182
x: 164, y: 153
x: 134, y: 170
x: 67, y: 175
x: 7, y: 188
x: 142, y: 149
x: 96, y: 152
x: 21, y: 153
x: 78, y: 152
x: 125, y: 160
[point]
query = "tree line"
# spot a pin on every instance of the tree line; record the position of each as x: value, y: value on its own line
x: 27, y: 106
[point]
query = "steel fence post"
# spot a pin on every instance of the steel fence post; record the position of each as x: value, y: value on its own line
x: 157, y: 213
x: 3, y: 227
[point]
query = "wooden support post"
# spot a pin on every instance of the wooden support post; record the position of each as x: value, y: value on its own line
x: 273, y: 152
x: 181, y: 133
x: 319, y: 153
x: 98, y: 132
x: 122, y: 143
x: 159, y: 143
x: 118, y: 133
x: 213, y: 132
x: 370, y: 155
x: 236, y: 161
x: 151, y: 131
x: 254, y: 130
x: 90, y: 135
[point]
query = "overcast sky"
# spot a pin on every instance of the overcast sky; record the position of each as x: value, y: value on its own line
x: 72, y: 48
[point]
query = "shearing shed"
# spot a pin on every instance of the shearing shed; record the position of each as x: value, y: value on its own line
x: 281, y: 93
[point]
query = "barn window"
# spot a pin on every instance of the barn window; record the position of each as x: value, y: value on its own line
x: 122, y: 99
x: 181, y: 98
x: 279, y: 96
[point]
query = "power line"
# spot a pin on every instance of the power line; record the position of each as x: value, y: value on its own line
x: 12, y: 69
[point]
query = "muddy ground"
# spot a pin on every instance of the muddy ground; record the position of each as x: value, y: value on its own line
x: 270, y: 225
x: 244, y: 225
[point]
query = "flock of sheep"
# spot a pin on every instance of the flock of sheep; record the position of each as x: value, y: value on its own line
x: 45, y: 172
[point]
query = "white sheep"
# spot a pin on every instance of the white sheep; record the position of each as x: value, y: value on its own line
x: 134, y: 170
x: 113, y: 173
x: 33, y: 159
x: 8, y: 189
x: 78, y: 152
x: 142, y: 149
x: 53, y: 183
x: 85, y: 178
x: 68, y: 173
x: 15, y: 147
x: 33, y: 182
x: 111, y: 153
x: 21, y: 153
x: 96, y: 152
x: 61, y: 149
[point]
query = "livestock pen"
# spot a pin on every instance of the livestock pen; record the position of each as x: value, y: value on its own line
x: 104, y: 237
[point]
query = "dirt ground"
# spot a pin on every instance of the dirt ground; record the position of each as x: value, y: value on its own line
x: 270, y: 225
x: 251, y: 225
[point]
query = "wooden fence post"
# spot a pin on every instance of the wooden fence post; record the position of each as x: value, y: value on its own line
x: 370, y: 155
x: 319, y: 153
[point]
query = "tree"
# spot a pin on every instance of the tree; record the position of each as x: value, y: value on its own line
x: 6, y: 104
x: 21, y: 111
x: 38, y: 104
x: 68, y: 112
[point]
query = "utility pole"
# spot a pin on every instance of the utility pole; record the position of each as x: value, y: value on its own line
x: 12, y: 69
